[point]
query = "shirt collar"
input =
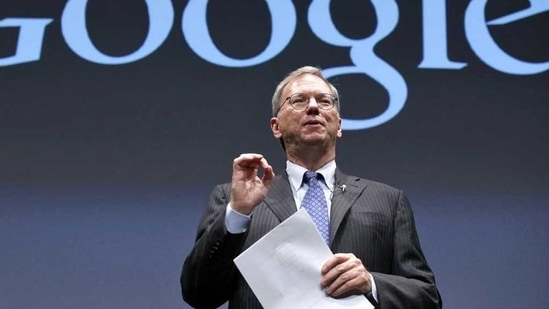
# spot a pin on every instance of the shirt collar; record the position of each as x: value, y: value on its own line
x: 295, y: 174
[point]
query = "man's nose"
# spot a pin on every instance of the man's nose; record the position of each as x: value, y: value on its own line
x: 311, y: 101
x: 312, y: 105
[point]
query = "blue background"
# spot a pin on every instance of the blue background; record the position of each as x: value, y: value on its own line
x: 105, y: 170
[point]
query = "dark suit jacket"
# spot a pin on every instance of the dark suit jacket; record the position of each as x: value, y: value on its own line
x: 369, y: 219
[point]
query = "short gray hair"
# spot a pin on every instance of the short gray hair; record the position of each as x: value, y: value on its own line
x: 277, y: 100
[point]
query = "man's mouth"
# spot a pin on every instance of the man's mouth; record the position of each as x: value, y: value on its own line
x: 312, y: 122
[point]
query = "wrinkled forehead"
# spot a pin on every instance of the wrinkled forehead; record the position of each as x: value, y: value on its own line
x: 306, y: 84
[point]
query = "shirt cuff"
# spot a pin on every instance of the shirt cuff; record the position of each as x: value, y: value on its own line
x: 236, y: 222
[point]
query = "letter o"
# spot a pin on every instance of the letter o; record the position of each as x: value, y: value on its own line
x: 195, y: 30
x: 73, y: 27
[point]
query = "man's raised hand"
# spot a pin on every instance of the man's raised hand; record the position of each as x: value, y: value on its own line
x: 247, y: 189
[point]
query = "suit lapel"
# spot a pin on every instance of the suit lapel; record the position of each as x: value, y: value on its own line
x: 280, y: 198
x: 343, y: 199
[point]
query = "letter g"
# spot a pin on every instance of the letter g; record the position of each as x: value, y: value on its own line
x: 363, y: 57
x: 29, y: 44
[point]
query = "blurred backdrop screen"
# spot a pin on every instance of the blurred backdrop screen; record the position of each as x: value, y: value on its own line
x: 117, y: 118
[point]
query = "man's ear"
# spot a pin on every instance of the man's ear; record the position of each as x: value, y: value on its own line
x: 339, y: 131
x: 274, y: 127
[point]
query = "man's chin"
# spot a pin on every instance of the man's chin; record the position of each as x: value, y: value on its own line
x: 314, y: 139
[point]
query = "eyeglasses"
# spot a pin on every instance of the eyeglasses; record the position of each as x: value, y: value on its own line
x: 300, y: 101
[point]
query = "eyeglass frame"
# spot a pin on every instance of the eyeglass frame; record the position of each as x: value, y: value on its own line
x: 334, y: 98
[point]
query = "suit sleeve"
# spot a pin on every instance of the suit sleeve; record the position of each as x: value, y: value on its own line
x: 209, y: 274
x: 411, y: 284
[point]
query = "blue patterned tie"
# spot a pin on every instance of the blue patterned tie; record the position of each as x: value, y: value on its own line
x: 315, y: 204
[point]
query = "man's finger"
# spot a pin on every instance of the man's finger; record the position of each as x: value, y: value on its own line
x: 268, y: 175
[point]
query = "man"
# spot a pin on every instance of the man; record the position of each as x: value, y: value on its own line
x: 371, y: 225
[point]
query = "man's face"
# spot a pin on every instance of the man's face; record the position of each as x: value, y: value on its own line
x: 311, y: 126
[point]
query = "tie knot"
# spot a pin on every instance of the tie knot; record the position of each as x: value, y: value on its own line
x: 308, y: 176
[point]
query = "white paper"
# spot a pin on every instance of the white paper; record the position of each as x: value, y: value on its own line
x: 283, y: 268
